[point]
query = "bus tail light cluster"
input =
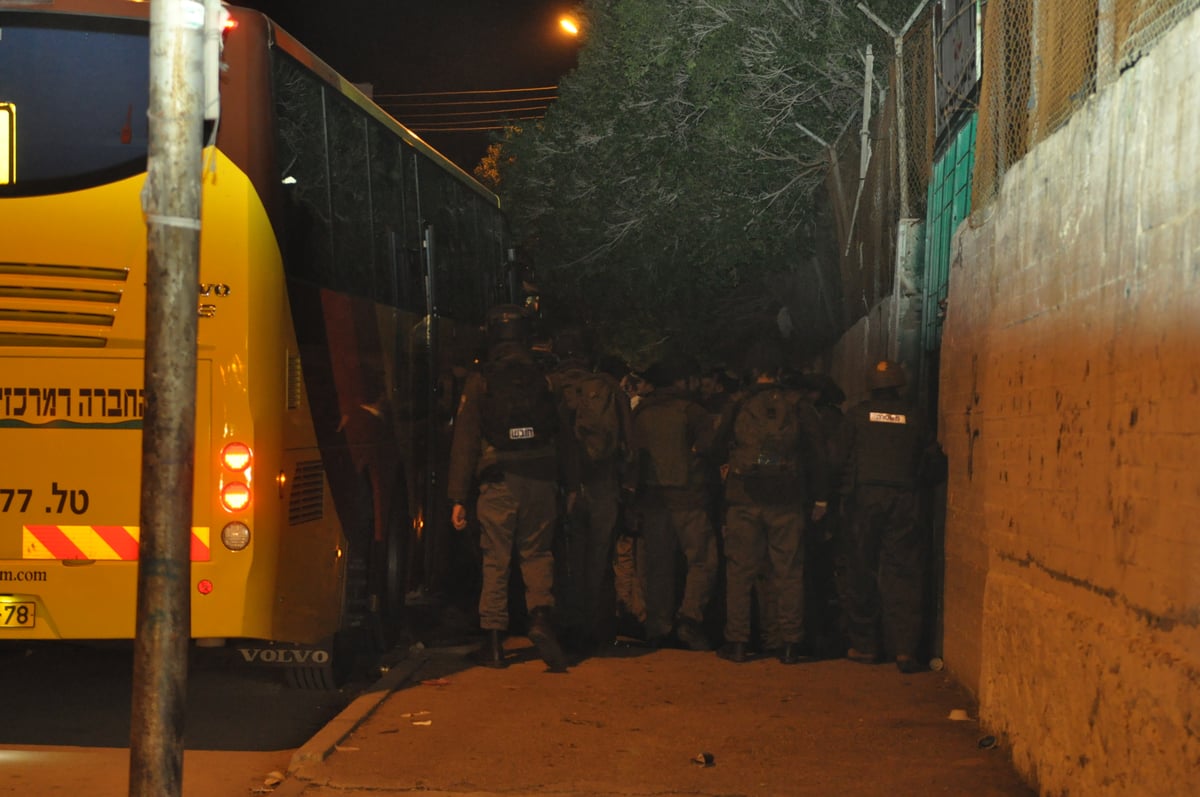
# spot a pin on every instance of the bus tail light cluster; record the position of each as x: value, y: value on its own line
x: 236, y: 464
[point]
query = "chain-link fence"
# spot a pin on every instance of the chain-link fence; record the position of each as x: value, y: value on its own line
x: 918, y: 109
x: 869, y: 200
x: 1041, y: 62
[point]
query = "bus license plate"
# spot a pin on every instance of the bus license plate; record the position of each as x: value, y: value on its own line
x: 18, y: 615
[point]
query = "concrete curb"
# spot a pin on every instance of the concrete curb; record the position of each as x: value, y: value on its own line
x: 326, y: 740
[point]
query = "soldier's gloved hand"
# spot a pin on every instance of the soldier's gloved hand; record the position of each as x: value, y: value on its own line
x: 458, y: 516
x: 818, y: 511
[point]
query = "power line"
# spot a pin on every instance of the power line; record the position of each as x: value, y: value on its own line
x: 460, y: 103
x: 495, y: 110
x: 488, y: 112
x: 482, y: 124
x: 470, y: 91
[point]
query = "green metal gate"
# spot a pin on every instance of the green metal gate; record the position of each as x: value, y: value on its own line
x: 949, y: 203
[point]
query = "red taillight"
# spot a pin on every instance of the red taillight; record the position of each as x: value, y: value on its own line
x: 226, y: 22
x: 236, y: 457
x: 235, y: 496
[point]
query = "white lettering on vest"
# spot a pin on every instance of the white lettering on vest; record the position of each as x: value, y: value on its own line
x: 887, y: 417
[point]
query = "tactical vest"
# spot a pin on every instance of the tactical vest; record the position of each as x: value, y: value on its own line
x: 887, y: 440
x: 665, y: 457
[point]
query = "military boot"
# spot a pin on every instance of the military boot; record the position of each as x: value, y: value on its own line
x: 541, y: 634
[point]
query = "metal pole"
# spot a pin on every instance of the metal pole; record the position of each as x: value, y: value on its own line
x: 171, y: 202
x: 902, y: 142
x: 433, y: 514
x: 901, y: 127
x: 864, y: 159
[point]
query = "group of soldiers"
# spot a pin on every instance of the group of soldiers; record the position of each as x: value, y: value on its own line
x: 655, y: 502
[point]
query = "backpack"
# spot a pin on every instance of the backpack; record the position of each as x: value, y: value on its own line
x: 663, y: 445
x: 592, y: 402
x: 518, y: 411
x: 766, y: 434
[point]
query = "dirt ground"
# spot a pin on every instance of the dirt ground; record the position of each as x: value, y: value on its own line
x: 637, y: 721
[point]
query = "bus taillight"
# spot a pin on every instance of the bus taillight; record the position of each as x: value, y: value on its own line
x: 235, y: 496
x: 236, y: 457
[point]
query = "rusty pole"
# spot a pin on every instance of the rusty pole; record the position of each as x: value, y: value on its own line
x: 171, y: 202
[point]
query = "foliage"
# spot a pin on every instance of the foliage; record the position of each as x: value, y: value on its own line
x: 671, y: 186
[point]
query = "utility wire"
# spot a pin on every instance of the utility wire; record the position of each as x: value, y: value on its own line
x: 489, y: 112
x: 495, y: 110
x: 483, y: 124
x: 470, y: 91
x: 459, y: 103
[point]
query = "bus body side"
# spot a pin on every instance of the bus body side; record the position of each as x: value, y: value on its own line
x: 314, y: 347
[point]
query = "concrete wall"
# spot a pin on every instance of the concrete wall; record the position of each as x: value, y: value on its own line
x: 1070, y: 411
x: 865, y: 343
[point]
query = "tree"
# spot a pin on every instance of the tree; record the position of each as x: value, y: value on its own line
x: 669, y: 191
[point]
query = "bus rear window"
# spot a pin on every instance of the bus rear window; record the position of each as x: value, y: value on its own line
x: 76, y: 90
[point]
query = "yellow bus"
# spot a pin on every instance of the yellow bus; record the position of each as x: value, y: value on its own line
x: 343, y: 265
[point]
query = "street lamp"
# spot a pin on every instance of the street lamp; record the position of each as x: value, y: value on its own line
x: 569, y: 25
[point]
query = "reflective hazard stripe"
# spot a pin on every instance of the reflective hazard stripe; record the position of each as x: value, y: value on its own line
x: 96, y: 543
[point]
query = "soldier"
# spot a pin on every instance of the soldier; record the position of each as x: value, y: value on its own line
x: 671, y: 433
x: 885, y: 549
x: 599, y: 416
x: 776, y: 469
x: 509, y: 438
x: 824, y: 559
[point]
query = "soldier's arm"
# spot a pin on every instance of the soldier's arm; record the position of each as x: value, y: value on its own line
x: 722, y: 433
x: 628, y: 450
x: 567, y: 447
x: 813, y: 452
x: 849, y: 431
x: 702, y: 428
x: 466, y: 444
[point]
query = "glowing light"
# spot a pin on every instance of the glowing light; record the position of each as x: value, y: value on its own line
x: 235, y: 496
x: 569, y: 25
x: 236, y: 456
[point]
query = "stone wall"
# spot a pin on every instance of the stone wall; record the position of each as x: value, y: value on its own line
x: 1070, y: 411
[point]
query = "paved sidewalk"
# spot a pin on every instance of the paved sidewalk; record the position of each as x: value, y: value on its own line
x: 641, y: 722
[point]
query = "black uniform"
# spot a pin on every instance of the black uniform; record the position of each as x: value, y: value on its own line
x: 518, y: 495
x: 885, y: 548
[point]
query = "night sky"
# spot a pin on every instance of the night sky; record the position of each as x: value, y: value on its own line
x: 413, y: 46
